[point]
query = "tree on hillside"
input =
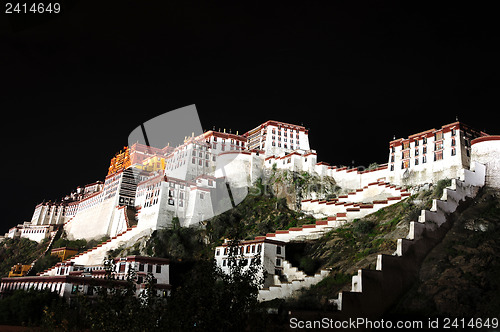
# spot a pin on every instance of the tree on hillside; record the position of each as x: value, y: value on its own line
x: 215, y: 301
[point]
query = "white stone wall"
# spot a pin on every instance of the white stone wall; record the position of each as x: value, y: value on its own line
x: 268, y: 255
x: 199, y: 207
x: 429, y: 170
x: 37, y: 234
x: 351, y: 179
x: 93, y: 218
x: 486, y: 150
x: 236, y: 167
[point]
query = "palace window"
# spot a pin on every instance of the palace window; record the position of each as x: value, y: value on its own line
x: 392, y: 167
x: 278, y: 250
x: 158, y: 268
x: 438, y: 136
x: 278, y: 261
x: 438, y: 155
x: 453, y: 151
x: 424, y: 159
x: 405, y: 164
x: 416, y: 161
x: 438, y: 145
x: 150, y: 268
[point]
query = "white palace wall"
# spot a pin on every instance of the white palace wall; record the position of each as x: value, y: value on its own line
x: 95, y: 215
x: 486, y: 150
x: 240, y: 168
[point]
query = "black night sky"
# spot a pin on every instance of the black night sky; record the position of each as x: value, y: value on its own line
x: 73, y: 85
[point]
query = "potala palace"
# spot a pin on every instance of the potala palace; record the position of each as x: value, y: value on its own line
x: 147, y: 186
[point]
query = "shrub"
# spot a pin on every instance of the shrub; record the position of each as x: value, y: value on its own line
x: 363, y: 226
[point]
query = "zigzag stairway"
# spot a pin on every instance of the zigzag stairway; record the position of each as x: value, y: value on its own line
x: 374, y: 291
x: 339, y: 211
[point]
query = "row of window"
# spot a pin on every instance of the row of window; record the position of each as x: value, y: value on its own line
x: 284, y: 145
x: 438, y: 155
x: 437, y: 147
x: 200, y: 162
x: 248, y: 249
x: 437, y: 137
x: 241, y: 262
x: 232, y: 141
x: 285, y: 139
x: 30, y: 231
x: 245, y: 261
x: 285, y: 131
x: 141, y: 268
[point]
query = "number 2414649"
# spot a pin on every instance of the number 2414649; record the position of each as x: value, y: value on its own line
x: 34, y: 8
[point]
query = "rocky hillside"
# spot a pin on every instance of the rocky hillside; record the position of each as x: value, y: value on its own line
x: 460, y: 276
x: 296, y: 186
x: 356, y: 245
x: 24, y: 251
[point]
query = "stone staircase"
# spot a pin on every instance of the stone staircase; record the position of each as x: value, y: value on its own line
x: 52, y: 238
x: 96, y: 255
x: 296, y: 280
x: 341, y: 210
x: 346, y: 211
x: 359, y: 203
x: 374, y: 291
